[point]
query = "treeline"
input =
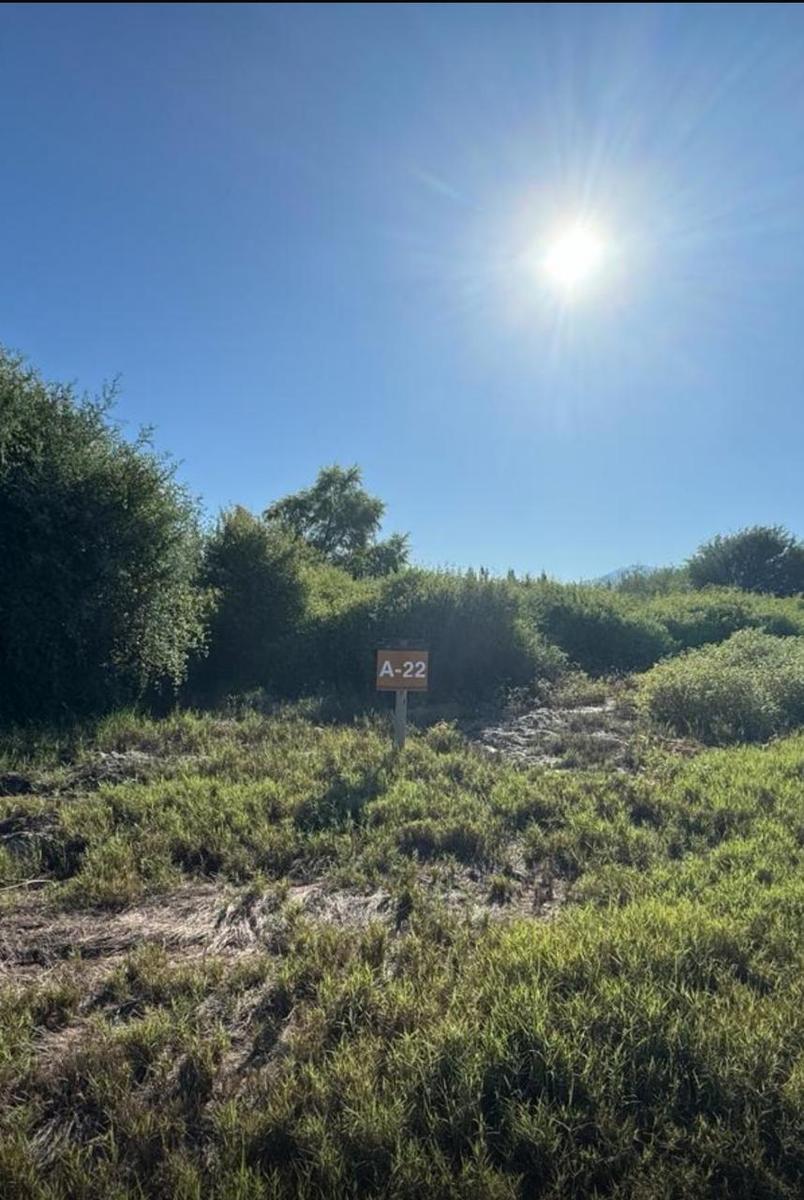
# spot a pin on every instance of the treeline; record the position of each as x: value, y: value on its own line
x: 112, y: 592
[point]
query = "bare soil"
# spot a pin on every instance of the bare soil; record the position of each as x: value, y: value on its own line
x: 560, y: 737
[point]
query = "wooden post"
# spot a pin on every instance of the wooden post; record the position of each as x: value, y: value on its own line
x: 400, y: 719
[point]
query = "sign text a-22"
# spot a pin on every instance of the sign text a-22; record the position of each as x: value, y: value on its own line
x: 403, y: 670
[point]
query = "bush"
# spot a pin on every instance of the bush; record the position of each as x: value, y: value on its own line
x: 254, y: 573
x: 473, y: 627
x: 746, y: 689
x: 696, y: 618
x: 599, y: 630
x: 98, y: 553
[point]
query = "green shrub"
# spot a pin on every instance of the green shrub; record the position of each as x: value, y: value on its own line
x: 598, y: 629
x: 473, y: 627
x: 697, y: 618
x: 659, y: 581
x: 254, y: 572
x: 98, y: 553
x: 745, y: 689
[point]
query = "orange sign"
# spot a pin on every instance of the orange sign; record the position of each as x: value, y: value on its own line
x: 403, y: 670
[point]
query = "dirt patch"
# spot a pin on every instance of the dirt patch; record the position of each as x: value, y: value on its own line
x: 209, y: 919
x: 113, y: 766
x: 91, y: 773
x: 35, y: 937
x: 563, y: 738
x: 194, y: 921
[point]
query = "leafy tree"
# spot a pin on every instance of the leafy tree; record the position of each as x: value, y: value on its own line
x: 759, y: 559
x: 98, y: 555
x: 340, y: 520
x: 380, y: 558
x: 253, y: 571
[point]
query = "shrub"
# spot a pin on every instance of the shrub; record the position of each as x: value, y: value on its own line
x: 98, y: 552
x: 472, y: 625
x: 599, y: 630
x: 658, y: 581
x: 254, y: 572
x: 746, y: 689
x: 697, y: 618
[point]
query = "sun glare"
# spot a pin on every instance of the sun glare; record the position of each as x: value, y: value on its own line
x: 573, y: 257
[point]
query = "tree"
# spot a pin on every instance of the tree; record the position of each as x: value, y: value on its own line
x: 253, y: 572
x: 380, y: 558
x: 762, y: 558
x: 340, y: 520
x: 99, y: 550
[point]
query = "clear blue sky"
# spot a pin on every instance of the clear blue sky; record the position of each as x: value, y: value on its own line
x: 303, y: 234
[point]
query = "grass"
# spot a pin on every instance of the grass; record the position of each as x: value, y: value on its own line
x: 646, y: 1042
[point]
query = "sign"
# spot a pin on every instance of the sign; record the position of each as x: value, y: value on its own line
x: 403, y: 670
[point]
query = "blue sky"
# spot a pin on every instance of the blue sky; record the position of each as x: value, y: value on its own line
x: 305, y: 234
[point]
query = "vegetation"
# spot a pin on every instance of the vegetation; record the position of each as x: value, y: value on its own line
x: 479, y: 637
x: 696, y: 618
x: 255, y: 952
x: 338, y: 519
x: 111, y: 593
x: 744, y: 690
x: 254, y: 576
x: 99, y: 552
x: 646, y: 1041
x: 657, y: 581
x: 599, y: 630
x: 760, y: 559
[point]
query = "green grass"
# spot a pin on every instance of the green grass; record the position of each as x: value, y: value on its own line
x: 646, y: 1042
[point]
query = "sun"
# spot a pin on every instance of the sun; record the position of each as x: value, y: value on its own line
x: 573, y: 256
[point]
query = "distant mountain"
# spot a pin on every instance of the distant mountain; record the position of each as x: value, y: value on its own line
x: 616, y: 576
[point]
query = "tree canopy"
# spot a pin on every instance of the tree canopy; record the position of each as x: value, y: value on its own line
x: 340, y: 520
x: 762, y: 558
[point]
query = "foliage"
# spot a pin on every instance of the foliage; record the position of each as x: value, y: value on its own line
x: 758, y: 559
x: 98, y: 551
x: 254, y: 571
x: 695, y: 618
x: 478, y: 640
x: 605, y: 630
x: 745, y: 689
x: 599, y: 630
x: 340, y: 520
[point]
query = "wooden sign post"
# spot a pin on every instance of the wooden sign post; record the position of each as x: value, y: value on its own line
x: 402, y: 670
